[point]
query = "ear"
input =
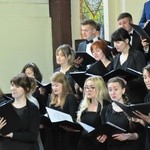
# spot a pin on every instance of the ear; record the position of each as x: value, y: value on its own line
x: 126, y: 40
x: 69, y: 57
x: 94, y: 31
x: 123, y: 90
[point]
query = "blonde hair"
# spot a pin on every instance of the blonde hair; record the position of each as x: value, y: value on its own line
x: 101, y: 94
x: 60, y: 78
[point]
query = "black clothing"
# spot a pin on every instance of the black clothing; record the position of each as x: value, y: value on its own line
x: 137, y: 45
x: 26, y: 139
x: 120, y: 119
x: 56, y: 138
x: 82, y: 48
x: 87, y: 142
x: 136, y: 89
x: 147, y: 129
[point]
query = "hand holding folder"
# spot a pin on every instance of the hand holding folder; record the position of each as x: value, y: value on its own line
x: 107, y: 129
x: 87, y: 59
x: 141, y: 32
x: 9, y: 114
x: 46, y: 86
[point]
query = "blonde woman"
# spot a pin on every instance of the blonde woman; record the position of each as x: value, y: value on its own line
x: 94, y: 99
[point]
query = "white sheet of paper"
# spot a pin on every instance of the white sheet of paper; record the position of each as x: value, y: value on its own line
x: 87, y: 127
x: 57, y: 116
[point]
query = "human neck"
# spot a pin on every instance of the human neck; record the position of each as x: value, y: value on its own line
x: 64, y: 68
x: 20, y: 102
x: 126, y: 50
x: 105, y: 61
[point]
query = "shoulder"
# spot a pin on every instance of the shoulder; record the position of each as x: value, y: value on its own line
x: 72, y: 69
x: 147, y: 98
x: 70, y: 97
x: 147, y: 3
x: 57, y: 69
x: 32, y: 106
x: 135, y: 52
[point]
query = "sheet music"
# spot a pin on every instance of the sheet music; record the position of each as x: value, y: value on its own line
x: 88, y: 128
x: 57, y: 116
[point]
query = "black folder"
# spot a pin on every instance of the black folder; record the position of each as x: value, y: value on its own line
x: 14, y: 122
x: 47, y: 86
x: 141, y: 32
x: 107, y: 129
x: 127, y: 74
x: 58, y: 118
x: 80, y: 77
x: 129, y: 109
x: 97, y: 68
x: 87, y: 59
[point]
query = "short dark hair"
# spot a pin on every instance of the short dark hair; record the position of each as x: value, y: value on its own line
x: 35, y: 69
x: 98, y: 27
x: 120, y: 35
x: 24, y: 81
x: 90, y: 22
x: 125, y: 15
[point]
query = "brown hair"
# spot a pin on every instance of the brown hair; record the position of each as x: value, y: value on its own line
x: 90, y: 22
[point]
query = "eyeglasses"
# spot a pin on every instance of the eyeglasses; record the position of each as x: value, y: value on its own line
x: 91, y: 88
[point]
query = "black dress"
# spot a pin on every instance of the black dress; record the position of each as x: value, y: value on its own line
x: 87, y: 142
x: 136, y: 89
x: 26, y: 139
x: 147, y: 129
x: 120, y: 119
x: 56, y: 138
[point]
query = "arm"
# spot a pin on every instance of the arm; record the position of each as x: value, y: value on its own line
x: 143, y: 18
x: 70, y: 106
x: 145, y: 118
x: 125, y: 136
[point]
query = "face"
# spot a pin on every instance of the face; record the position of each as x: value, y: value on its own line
x: 29, y: 72
x: 125, y: 23
x: 88, y: 32
x: 90, y: 90
x: 146, y: 77
x: 97, y: 53
x: 120, y: 45
x: 115, y: 91
x: 60, y: 58
x: 57, y: 88
x: 17, y: 91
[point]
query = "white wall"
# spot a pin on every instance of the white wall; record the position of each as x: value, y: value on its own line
x: 25, y: 36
